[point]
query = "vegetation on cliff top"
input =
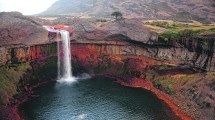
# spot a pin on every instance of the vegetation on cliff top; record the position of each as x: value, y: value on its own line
x: 172, y: 30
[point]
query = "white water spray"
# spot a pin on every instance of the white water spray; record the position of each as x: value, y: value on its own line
x: 64, y: 59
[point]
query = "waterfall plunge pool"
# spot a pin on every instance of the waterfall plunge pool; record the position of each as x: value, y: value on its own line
x: 97, y: 98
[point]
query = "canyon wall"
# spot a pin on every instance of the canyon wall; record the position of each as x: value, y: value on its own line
x: 172, y: 55
x: 26, y: 53
x: 199, y: 57
x: 23, y: 65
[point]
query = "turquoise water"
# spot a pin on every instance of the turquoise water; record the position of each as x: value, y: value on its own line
x: 93, y: 99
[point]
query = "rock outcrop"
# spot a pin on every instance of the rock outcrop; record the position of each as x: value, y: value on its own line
x: 16, y: 29
x: 132, y: 30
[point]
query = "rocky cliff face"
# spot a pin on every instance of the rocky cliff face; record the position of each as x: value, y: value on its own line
x: 171, y: 55
x: 25, y: 53
x: 167, y: 54
x: 17, y: 62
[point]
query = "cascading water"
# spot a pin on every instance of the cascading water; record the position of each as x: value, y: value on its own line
x: 64, y: 59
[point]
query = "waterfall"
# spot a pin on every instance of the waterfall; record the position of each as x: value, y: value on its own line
x: 58, y: 61
x: 64, y: 58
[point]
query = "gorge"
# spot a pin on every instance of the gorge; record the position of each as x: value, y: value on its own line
x: 179, y: 72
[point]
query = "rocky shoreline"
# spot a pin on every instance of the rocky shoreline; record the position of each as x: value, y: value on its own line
x: 147, y: 85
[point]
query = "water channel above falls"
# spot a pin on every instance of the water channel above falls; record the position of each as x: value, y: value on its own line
x: 92, y: 99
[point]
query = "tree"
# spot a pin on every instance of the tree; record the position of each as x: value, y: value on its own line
x: 117, y: 14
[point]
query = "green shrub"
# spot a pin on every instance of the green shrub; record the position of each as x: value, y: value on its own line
x: 212, y: 29
x: 162, y: 24
x: 165, y: 67
x: 169, y: 35
x: 9, y: 77
x: 176, y: 34
x: 149, y: 76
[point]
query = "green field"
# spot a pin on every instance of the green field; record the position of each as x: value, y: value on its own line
x: 168, y: 29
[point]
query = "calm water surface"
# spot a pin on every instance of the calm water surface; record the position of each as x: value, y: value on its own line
x: 93, y: 99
